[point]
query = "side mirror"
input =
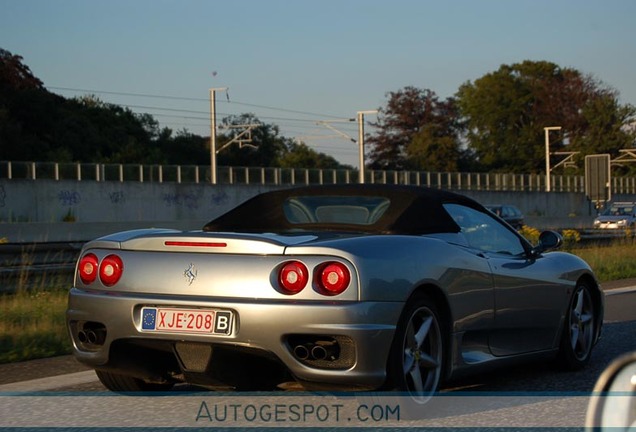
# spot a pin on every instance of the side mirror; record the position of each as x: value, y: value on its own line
x: 548, y: 240
x: 613, y: 402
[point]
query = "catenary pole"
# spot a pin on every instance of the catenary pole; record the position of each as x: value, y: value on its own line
x: 213, y: 132
x: 547, y: 130
x: 361, y: 142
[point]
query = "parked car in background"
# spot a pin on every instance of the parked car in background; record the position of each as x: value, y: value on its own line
x: 341, y: 287
x: 617, y: 215
x: 509, y: 213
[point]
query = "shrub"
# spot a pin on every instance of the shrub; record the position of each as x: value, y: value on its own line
x: 570, y: 237
x: 531, y: 234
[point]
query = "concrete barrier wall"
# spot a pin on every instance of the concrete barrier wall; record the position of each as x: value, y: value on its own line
x: 66, y: 210
x: 84, y: 201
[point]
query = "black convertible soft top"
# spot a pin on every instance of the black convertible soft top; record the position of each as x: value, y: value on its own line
x: 409, y: 210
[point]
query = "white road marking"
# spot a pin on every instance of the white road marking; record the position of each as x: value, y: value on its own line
x: 50, y: 383
x: 619, y: 290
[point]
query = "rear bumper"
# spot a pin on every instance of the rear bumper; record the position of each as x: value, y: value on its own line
x: 259, y: 325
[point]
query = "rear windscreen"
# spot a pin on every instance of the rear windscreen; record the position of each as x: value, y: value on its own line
x: 349, y: 210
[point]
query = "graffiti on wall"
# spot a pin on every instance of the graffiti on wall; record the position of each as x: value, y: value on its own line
x: 219, y: 198
x: 187, y: 200
x: 117, y: 197
x: 193, y: 200
x: 69, y: 197
x: 97, y: 202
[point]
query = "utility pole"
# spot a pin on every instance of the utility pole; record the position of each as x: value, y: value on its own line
x: 547, y: 130
x: 213, y: 132
x: 361, y: 141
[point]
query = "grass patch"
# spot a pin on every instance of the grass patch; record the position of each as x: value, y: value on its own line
x: 32, y: 325
x: 609, y: 263
x: 32, y: 318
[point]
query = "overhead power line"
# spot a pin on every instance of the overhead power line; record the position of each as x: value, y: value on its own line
x: 203, y: 113
x: 286, y: 123
x: 193, y: 99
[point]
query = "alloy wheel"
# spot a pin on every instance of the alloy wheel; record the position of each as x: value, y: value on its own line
x: 582, y: 324
x: 422, y: 354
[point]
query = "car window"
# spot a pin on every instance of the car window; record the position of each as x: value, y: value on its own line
x: 618, y: 210
x: 362, y: 210
x: 483, y: 232
x: 510, y: 212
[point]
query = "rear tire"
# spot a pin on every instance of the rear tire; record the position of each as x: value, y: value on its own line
x: 124, y: 383
x: 416, y: 360
x: 579, y: 329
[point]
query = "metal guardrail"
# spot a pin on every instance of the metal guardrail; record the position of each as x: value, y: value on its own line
x: 19, y: 257
x: 37, y: 265
x: 299, y: 176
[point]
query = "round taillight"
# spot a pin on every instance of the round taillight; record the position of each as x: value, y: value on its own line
x: 87, y: 268
x: 334, y: 278
x: 293, y: 277
x: 110, y: 270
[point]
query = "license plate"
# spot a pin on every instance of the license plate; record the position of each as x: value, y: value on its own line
x: 208, y: 321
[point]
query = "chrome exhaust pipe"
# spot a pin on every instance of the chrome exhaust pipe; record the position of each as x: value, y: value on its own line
x: 318, y: 352
x: 324, y: 350
x: 81, y: 336
x: 301, y: 352
x: 91, y: 337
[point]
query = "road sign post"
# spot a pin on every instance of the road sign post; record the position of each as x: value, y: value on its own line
x: 597, y: 179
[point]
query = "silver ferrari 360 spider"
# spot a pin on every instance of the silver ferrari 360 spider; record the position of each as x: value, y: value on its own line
x: 344, y: 287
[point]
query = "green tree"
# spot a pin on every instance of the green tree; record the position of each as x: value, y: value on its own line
x: 299, y: 155
x: 15, y: 75
x: 606, y: 122
x: 184, y: 148
x: 38, y: 125
x: 23, y: 105
x: 416, y: 130
x: 505, y: 112
x: 430, y: 152
x: 115, y: 134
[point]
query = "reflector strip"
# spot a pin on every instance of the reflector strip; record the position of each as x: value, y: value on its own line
x: 194, y: 244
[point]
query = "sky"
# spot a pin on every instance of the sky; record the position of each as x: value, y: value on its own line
x: 294, y: 63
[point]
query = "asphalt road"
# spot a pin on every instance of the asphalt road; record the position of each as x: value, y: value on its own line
x: 527, y: 395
